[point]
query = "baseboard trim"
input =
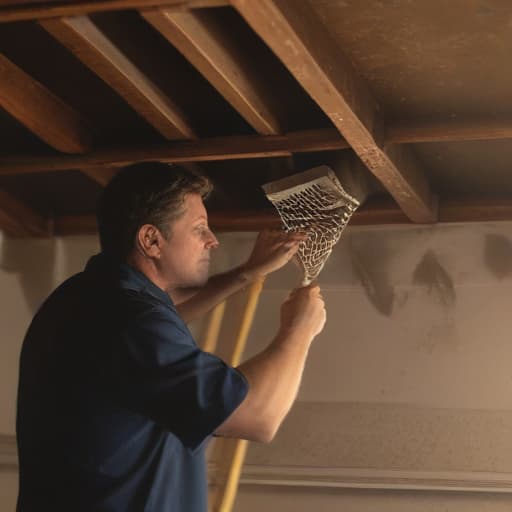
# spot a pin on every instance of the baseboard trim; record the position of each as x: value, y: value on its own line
x: 337, y: 477
x: 383, y: 479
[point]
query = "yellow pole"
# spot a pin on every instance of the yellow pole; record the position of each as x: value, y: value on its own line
x: 233, y: 476
x: 247, y: 319
x: 213, y: 329
x: 226, y: 495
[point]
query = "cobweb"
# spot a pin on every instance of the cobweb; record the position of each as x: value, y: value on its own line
x: 313, y: 202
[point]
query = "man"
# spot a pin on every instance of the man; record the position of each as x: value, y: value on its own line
x: 115, y: 400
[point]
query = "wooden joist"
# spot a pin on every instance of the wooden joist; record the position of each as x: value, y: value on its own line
x: 228, y: 148
x: 418, y: 132
x: 18, y: 220
x: 217, y: 55
x: 13, y: 10
x: 90, y: 45
x: 101, y: 175
x: 293, y: 32
x: 374, y: 212
x: 215, y: 148
x: 40, y: 111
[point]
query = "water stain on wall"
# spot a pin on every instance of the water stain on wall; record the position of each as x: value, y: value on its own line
x: 369, y: 263
x: 434, y: 277
x: 498, y: 255
x: 441, y: 333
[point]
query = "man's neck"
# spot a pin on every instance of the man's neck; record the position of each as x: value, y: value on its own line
x: 148, y: 267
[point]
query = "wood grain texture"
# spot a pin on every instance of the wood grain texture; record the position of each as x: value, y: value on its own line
x: 12, y: 10
x: 374, y: 212
x: 41, y: 111
x: 91, y: 46
x: 101, y: 175
x: 18, y: 220
x: 215, y: 148
x: 217, y: 55
x: 417, y: 132
x: 302, y: 43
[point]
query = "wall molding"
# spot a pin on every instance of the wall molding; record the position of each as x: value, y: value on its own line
x: 337, y: 477
x: 362, y: 478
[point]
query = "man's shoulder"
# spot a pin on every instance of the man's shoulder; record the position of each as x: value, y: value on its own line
x: 142, y: 303
x: 139, y: 307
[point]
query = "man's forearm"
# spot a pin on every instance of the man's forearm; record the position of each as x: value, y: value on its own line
x: 192, y: 303
x: 274, y: 377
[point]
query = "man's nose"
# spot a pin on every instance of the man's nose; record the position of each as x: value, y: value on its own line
x: 212, y: 242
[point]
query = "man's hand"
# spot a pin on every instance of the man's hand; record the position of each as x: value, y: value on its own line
x: 304, y: 312
x: 272, y: 250
x: 275, y: 373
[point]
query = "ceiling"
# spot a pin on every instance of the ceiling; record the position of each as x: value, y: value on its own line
x: 415, y: 96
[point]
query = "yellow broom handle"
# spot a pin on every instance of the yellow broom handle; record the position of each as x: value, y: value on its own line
x: 228, y: 496
x: 213, y: 329
x: 233, y: 477
x: 247, y: 319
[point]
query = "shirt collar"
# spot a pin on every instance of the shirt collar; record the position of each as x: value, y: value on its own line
x: 126, y: 276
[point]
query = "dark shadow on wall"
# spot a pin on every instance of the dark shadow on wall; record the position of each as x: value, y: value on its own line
x: 498, y: 255
x: 370, y: 261
x: 33, y: 261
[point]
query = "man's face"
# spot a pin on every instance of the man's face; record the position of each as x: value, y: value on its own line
x: 186, y: 254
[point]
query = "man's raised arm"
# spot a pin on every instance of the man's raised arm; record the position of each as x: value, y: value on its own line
x: 272, y: 250
x: 274, y: 375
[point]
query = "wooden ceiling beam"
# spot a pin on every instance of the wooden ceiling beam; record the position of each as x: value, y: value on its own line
x: 91, y: 46
x: 11, y: 10
x: 41, y: 111
x: 215, y: 148
x: 18, y: 220
x: 293, y: 32
x: 217, y: 55
x: 448, y: 131
x: 101, y: 175
x: 373, y: 212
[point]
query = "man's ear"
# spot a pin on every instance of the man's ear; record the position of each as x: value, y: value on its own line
x: 149, y: 241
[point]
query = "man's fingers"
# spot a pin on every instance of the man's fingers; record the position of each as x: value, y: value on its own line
x: 312, y: 289
x: 289, y: 235
x: 291, y: 248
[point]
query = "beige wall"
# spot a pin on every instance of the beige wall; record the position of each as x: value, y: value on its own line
x: 29, y: 270
x: 408, y: 387
x: 410, y: 384
x: 286, y: 499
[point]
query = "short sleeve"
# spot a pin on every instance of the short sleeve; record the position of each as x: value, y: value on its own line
x: 162, y: 374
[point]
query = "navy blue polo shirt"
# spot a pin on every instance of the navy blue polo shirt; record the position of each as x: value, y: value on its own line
x: 115, y: 399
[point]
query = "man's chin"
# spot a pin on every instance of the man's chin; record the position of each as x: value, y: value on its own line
x: 199, y: 280
x: 196, y: 280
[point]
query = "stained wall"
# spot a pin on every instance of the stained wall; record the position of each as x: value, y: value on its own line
x: 406, y: 402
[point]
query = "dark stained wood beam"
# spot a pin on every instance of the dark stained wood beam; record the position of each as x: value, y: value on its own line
x: 376, y: 211
x: 216, y: 148
x: 13, y: 10
x: 91, y: 46
x: 64, y: 225
x: 40, y: 111
x: 461, y: 210
x: 294, y: 33
x: 373, y: 212
x: 101, y: 175
x: 417, y: 132
x: 18, y: 220
x: 217, y: 55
